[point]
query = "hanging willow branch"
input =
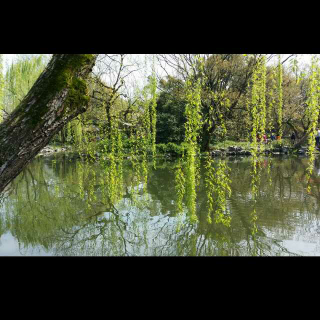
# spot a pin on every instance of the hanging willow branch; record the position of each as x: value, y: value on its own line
x: 280, y: 106
x: 259, y: 114
x: 312, y: 112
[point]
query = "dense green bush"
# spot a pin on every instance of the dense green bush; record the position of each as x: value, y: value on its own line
x: 171, y: 148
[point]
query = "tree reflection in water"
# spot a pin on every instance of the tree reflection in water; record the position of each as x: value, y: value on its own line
x: 70, y: 209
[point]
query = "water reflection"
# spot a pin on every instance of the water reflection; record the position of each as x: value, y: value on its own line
x: 74, y: 208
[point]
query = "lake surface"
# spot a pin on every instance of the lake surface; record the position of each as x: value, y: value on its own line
x: 63, y: 207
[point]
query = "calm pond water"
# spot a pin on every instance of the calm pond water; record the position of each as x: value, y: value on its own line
x: 60, y: 207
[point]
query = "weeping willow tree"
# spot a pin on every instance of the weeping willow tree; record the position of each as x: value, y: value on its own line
x: 258, y: 115
x: 312, y: 111
x: 280, y: 98
x: 114, y: 167
x: 142, y: 138
x: 142, y: 135
x: 187, y: 174
x: 20, y: 77
x: 109, y: 150
x: 193, y: 126
x: 271, y: 105
x: 271, y: 94
x: 217, y: 180
x: 258, y: 105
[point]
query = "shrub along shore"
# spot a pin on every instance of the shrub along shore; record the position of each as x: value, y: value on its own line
x: 221, y: 149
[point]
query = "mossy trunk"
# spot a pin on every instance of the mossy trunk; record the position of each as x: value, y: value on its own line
x: 58, y: 96
x: 206, y: 137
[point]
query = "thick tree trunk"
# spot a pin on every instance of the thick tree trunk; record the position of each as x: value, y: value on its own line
x: 205, y: 143
x: 206, y: 137
x: 300, y: 142
x: 58, y: 96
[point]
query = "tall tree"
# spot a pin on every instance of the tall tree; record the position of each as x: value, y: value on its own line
x: 170, y: 111
x: 58, y: 96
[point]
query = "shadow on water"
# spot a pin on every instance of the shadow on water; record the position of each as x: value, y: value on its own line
x: 63, y: 207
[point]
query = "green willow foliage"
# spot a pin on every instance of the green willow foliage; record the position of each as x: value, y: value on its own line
x: 312, y: 111
x: 270, y: 108
x: 259, y: 115
x: 193, y: 113
x: 143, y: 136
x: 106, y: 150
x: 116, y: 161
x: 153, y: 111
x: 193, y: 125
x: 187, y: 178
x: 218, y: 189
x: 258, y: 103
x: 262, y: 106
x: 258, y: 112
x: 76, y: 129
x: 272, y: 101
x: 280, y: 102
x: 20, y: 77
x: 217, y: 180
x: 135, y: 163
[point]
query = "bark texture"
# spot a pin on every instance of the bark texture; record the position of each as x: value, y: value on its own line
x: 58, y: 96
